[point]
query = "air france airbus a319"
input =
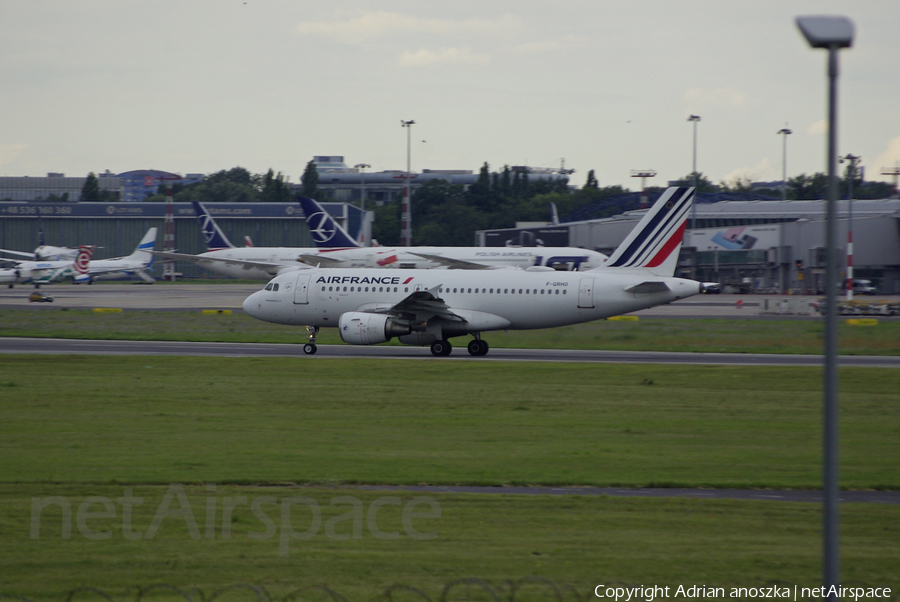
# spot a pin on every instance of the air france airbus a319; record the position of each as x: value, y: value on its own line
x: 428, y: 307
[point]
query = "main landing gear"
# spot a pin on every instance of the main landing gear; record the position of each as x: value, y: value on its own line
x: 441, y: 348
x: 310, y: 348
x: 478, y: 347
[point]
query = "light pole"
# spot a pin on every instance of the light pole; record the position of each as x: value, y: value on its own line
x: 694, y: 119
x: 406, y: 206
x: 831, y: 33
x: 362, y: 193
x: 784, y: 132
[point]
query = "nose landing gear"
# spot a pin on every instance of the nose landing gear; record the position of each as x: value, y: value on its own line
x: 310, y: 348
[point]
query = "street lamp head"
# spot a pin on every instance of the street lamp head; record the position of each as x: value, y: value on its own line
x: 406, y: 124
x: 826, y: 31
x: 784, y: 131
x: 694, y: 118
x: 362, y: 166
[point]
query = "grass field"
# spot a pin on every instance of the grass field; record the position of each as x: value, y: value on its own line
x: 646, y: 334
x: 80, y: 427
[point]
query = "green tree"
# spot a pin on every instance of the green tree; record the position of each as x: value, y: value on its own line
x: 90, y: 191
x: 592, y: 181
x: 274, y: 188
x: 703, y: 183
x: 310, y: 180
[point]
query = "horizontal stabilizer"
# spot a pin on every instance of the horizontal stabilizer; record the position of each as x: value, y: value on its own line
x: 646, y: 288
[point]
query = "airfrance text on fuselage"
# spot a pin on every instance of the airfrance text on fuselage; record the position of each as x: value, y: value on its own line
x: 361, y: 280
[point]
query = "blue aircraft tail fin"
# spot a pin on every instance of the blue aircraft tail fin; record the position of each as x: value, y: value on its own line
x: 212, y: 234
x: 326, y: 232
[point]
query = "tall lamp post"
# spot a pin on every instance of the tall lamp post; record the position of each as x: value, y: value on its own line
x: 406, y: 206
x: 694, y: 119
x: 831, y: 33
x: 784, y: 132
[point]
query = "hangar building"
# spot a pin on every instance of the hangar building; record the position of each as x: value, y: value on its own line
x: 750, y: 246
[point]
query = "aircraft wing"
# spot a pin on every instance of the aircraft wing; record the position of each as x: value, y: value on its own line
x: 19, y: 253
x: 420, y: 306
x: 272, y: 268
x: 453, y: 264
x: 322, y: 260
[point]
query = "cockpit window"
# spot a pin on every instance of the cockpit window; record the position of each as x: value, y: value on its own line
x: 275, y: 288
x: 269, y: 286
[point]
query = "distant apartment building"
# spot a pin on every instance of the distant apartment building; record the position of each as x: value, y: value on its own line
x: 134, y: 185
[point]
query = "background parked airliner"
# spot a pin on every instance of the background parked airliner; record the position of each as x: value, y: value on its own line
x: 261, y: 263
x: 45, y: 252
x: 428, y: 307
x: 136, y: 264
x: 47, y: 272
x: 337, y: 249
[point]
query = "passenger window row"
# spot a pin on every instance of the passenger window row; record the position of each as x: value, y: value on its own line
x: 506, y: 291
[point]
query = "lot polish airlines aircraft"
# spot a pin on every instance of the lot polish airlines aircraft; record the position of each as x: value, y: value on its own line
x: 339, y: 250
x: 427, y: 307
x: 47, y: 272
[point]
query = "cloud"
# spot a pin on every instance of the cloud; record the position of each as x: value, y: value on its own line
x: 10, y: 152
x: 819, y: 128
x: 761, y: 171
x: 447, y: 56
x: 889, y: 158
x: 729, y: 97
x: 369, y: 25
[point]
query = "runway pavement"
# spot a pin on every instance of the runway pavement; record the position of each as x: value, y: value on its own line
x: 94, y: 347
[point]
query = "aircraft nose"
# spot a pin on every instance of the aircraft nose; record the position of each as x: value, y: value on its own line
x: 253, y: 305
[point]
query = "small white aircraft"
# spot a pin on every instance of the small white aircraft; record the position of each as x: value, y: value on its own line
x: 339, y: 250
x: 428, y: 307
x: 135, y: 264
x: 45, y: 252
x: 47, y: 272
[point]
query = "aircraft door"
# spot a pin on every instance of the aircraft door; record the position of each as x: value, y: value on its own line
x: 586, y: 293
x: 301, y: 291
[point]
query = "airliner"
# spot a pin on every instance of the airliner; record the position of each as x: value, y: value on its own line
x: 47, y: 272
x: 250, y: 262
x: 428, y: 307
x: 45, y: 252
x: 135, y: 264
x: 339, y: 250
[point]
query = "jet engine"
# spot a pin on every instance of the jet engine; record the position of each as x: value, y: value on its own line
x: 361, y: 328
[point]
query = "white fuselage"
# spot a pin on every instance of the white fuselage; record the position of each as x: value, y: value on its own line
x: 37, y: 272
x: 396, y: 257
x: 487, y: 300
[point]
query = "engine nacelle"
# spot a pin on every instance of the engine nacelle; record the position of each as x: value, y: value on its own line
x: 361, y: 328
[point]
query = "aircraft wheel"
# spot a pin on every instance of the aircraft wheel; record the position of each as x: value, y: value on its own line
x: 310, y: 349
x: 477, y: 347
x: 441, y: 348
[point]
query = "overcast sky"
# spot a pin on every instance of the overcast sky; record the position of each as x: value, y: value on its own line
x: 200, y: 86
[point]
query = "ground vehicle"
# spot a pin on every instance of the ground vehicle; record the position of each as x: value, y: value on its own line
x: 863, y: 287
x: 40, y: 297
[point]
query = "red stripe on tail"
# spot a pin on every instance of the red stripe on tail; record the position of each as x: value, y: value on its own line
x: 670, y: 245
